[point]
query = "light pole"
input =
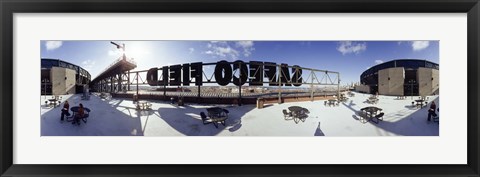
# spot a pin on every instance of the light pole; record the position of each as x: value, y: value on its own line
x: 120, y: 47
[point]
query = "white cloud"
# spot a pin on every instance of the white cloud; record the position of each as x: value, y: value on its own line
x: 244, y: 44
x: 247, y: 47
x: 88, y: 64
x: 378, y: 61
x: 229, y: 50
x: 420, y: 45
x: 347, y: 47
x: 219, y: 42
x: 399, y: 42
x: 191, y: 50
x: 226, y: 51
x: 52, y: 45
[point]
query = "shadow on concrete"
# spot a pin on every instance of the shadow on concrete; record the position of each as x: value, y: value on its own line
x: 318, y: 131
x: 410, y: 124
x: 104, y: 120
x: 186, y: 119
x: 404, y: 122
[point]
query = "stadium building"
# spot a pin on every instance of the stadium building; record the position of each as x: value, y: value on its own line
x: 404, y: 77
x: 59, y: 77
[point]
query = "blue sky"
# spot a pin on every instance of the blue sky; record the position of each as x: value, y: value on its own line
x: 350, y: 58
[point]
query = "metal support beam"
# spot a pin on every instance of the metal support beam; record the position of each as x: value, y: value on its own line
x: 338, y: 87
x: 279, y: 80
x: 164, y: 88
x: 137, y: 83
x: 240, y: 85
x: 198, y: 95
x: 311, y: 86
x: 119, y: 87
x: 128, y: 81
x: 111, y: 84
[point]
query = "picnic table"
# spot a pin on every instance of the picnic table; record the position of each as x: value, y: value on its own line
x: 350, y: 94
x: 343, y: 99
x: 295, y: 108
x: 420, y: 103
x: 372, y: 100
x: 217, y: 114
x: 75, y: 109
x: 371, y: 112
x: 331, y: 102
x: 53, y: 102
x: 298, y: 113
x: 143, y: 105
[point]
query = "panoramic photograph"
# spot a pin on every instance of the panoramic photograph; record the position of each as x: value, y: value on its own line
x: 239, y: 88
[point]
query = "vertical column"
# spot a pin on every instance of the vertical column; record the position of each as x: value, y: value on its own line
x: 279, y: 73
x: 111, y: 84
x: 164, y: 86
x: 119, y: 87
x: 311, y: 85
x: 128, y: 81
x: 198, y: 94
x: 338, y: 87
x: 137, y: 84
x: 240, y: 85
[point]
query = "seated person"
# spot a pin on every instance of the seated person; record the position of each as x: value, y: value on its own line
x: 431, y: 111
x: 80, y: 114
x: 65, y: 110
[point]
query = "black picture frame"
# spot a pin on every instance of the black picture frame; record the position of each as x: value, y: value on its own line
x: 9, y: 7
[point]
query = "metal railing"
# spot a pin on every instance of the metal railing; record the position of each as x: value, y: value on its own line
x: 130, y: 60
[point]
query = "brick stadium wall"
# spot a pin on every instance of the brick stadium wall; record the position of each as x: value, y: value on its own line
x: 390, y: 81
x: 63, y: 80
x: 428, y: 81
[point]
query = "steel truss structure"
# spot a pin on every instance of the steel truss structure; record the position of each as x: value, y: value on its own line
x: 123, y: 80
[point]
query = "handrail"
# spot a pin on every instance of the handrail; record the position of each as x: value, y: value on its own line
x: 130, y: 60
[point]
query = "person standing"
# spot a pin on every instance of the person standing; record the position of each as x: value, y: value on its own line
x: 431, y: 111
x: 66, y: 106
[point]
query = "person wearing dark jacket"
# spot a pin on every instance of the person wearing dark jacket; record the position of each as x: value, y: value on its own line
x: 66, y: 106
x: 79, y: 115
x: 431, y: 111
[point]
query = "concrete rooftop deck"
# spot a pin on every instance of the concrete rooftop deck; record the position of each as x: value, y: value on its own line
x: 118, y: 117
